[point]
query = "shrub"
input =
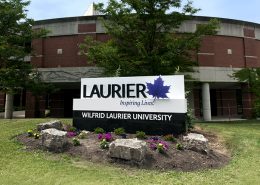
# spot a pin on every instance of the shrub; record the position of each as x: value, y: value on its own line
x: 179, y: 146
x: 140, y: 135
x: 169, y: 137
x: 189, y: 118
x: 29, y: 133
x: 159, y: 145
x: 99, y: 130
x: 119, y: 131
x: 82, y: 135
x: 75, y: 142
x: 71, y: 134
x: 162, y: 146
x: 107, y: 136
x: 69, y: 128
x: 104, y: 144
x: 72, y: 129
x: 36, y: 135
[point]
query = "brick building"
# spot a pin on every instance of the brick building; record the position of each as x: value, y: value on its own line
x: 235, y: 46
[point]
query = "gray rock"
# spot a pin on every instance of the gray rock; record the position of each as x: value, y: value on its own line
x: 52, y: 124
x: 196, y: 142
x: 54, y: 140
x: 128, y: 149
x: 83, y: 134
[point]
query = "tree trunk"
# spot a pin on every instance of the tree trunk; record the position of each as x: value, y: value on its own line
x: 9, y: 106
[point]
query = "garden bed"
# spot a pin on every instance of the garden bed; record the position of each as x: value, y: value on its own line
x: 172, y: 159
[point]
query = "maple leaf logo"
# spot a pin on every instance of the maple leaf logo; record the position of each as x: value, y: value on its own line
x: 158, y: 90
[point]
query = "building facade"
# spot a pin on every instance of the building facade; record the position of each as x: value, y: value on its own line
x: 215, y: 92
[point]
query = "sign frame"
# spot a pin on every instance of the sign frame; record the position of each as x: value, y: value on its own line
x: 153, y: 104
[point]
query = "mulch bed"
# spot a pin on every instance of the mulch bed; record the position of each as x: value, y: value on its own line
x: 173, y: 159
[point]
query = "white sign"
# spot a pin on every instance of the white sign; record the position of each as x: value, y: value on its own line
x: 155, y: 94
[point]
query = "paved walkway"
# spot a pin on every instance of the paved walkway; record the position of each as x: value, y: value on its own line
x: 223, y: 119
x: 16, y: 114
x: 227, y: 119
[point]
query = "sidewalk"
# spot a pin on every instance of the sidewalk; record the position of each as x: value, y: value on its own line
x: 227, y: 119
x: 16, y: 114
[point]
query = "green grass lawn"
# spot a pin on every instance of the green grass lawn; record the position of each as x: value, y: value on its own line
x: 18, y: 167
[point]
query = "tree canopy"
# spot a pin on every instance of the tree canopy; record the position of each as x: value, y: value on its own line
x: 251, y: 76
x: 144, y: 38
x: 15, y: 44
x: 16, y: 34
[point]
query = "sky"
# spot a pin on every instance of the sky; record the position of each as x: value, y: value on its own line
x: 246, y: 10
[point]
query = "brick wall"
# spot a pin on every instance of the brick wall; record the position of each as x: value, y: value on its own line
x: 248, y: 101
x: 38, y: 52
x: 226, y: 51
x: 34, y: 108
x: 220, y: 51
x: 85, y: 28
x: 62, y: 51
x: 57, y: 105
x: 214, y: 52
x: 226, y: 102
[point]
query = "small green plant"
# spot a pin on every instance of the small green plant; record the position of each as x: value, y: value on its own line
x: 108, y: 136
x: 82, y: 135
x: 71, y: 134
x: 119, y: 131
x: 72, y: 129
x: 75, y: 142
x: 104, y: 144
x: 160, y: 148
x: 159, y: 145
x: 99, y: 130
x: 140, y: 135
x: 169, y: 137
x: 29, y: 133
x: 36, y: 135
x: 69, y: 128
x: 179, y: 146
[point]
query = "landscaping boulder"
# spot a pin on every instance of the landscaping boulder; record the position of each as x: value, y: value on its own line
x: 52, y: 124
x: 128, y: 149
x: 54, y: 140
x: 196, y: 142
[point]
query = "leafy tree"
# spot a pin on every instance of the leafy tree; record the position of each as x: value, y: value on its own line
x: 15, y: 44
x: 251, y: 76
x: 145, y: 39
